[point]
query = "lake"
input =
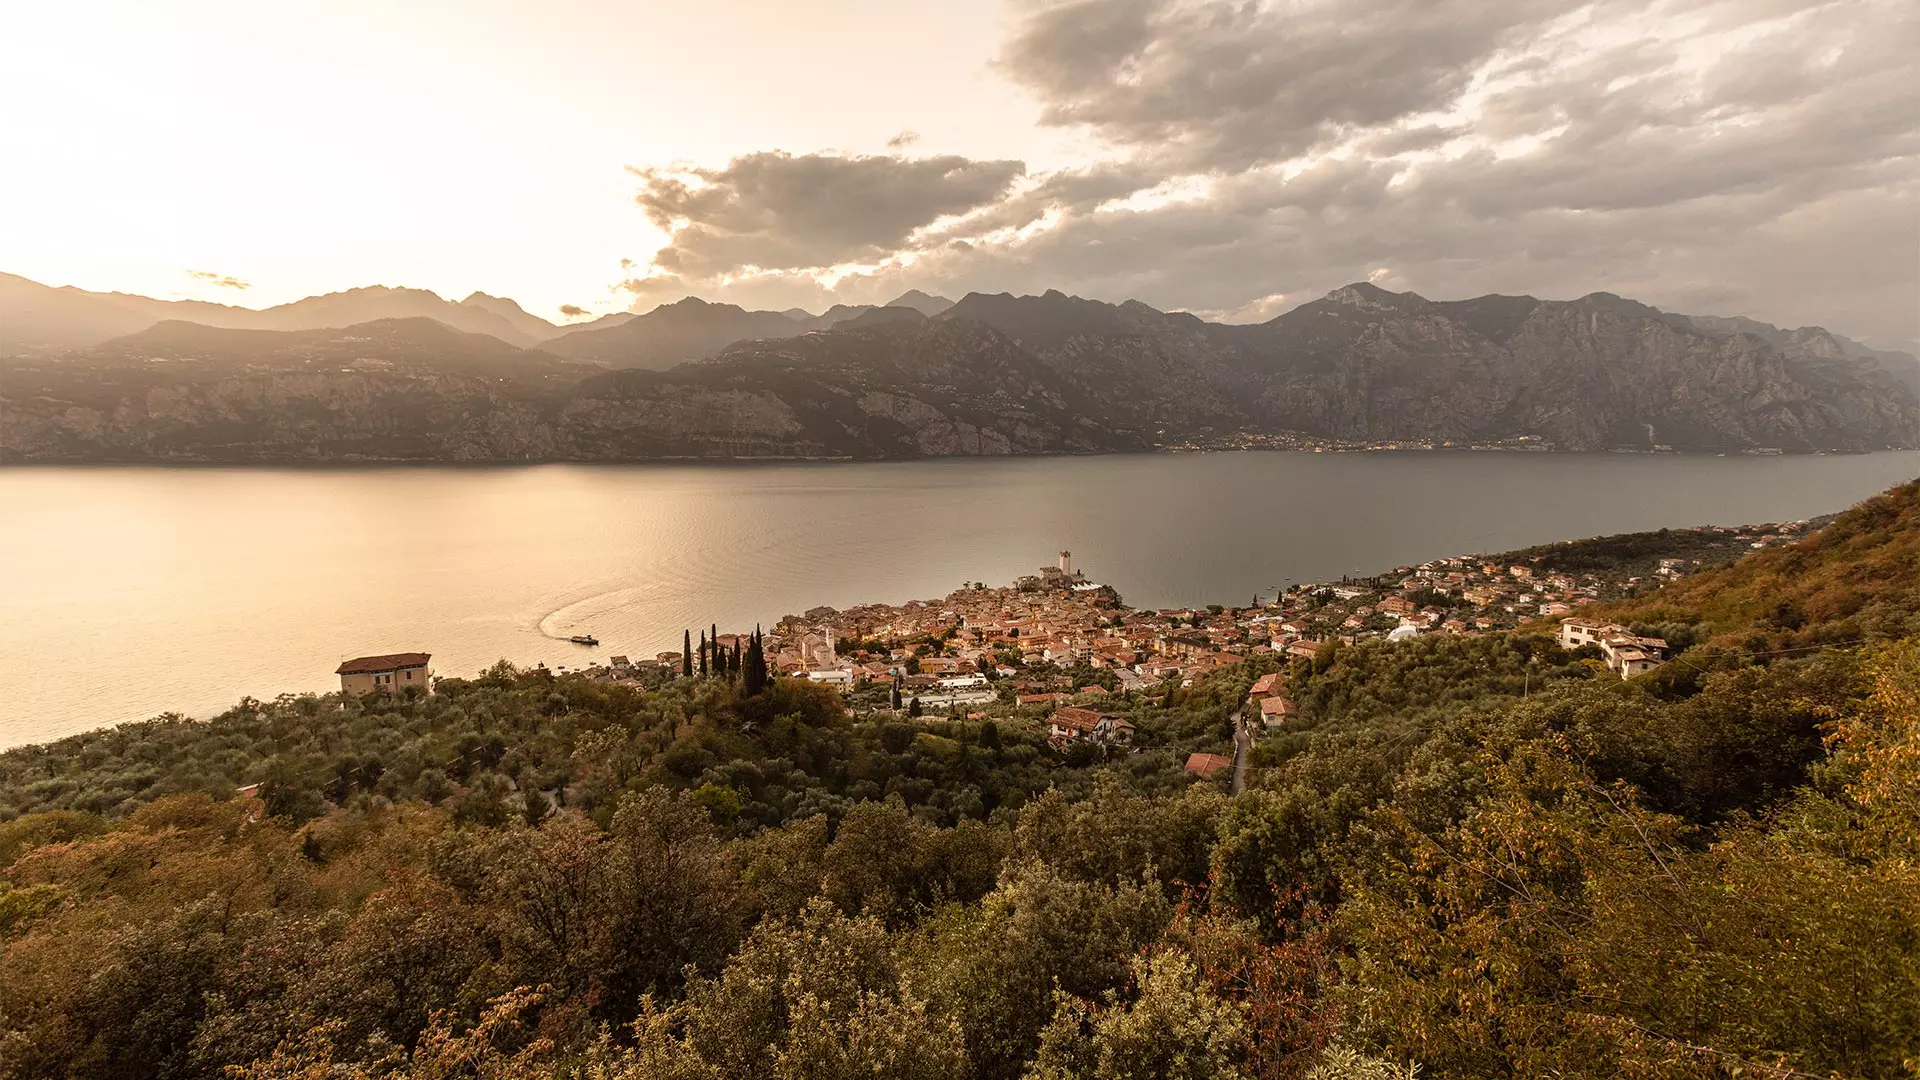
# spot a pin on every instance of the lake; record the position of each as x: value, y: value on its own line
x: 133, y: 591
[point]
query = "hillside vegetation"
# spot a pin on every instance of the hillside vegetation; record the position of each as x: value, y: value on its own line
x: 1858, y: 577
x: 1473, y: 857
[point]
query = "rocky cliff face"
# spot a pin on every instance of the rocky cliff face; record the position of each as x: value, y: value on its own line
x: 989, y: 375
x: 293, y: 417
x: 1595, y: 373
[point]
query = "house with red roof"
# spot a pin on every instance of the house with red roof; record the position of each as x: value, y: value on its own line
x: 385, y: 674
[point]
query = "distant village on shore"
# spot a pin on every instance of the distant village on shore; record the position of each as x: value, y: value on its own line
x: 1056, y: 643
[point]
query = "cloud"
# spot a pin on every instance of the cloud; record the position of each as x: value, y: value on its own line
x: 221, y: 280
x: 1225, y: 84
x: 779, y: 211
x: 573, y: 311
x: 1728, y: 156
x: 903, y: 140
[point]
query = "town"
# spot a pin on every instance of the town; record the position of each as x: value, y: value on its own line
x: 1052, y: 646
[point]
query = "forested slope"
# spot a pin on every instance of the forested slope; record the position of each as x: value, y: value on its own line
x: 1858, y: 577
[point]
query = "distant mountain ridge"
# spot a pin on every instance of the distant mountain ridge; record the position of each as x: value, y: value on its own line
x: 988, y: 374
x: 35, y: 316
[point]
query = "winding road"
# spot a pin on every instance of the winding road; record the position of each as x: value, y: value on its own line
x: 1242, y: 746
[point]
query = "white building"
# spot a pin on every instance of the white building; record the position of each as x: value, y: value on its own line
x: 956, y: 697
x: 1626, y: 653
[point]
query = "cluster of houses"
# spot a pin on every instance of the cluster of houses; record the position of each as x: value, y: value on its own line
x: 955, y: 652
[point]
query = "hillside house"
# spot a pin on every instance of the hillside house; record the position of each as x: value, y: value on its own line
x: 385, y: 674
x: 1266, y: 684
x: 1274, y: 711
x: 1207, y: 765
x: 1626, y: 653
x: 1075, y: 724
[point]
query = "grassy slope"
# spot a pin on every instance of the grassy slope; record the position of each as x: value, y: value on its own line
x: 1858, y: 577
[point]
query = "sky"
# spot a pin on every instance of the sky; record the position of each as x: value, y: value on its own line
x: 1229, y: 157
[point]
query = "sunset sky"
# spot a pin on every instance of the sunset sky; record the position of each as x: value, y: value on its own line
x: 1742, y: 157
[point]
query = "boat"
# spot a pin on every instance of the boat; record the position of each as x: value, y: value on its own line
x: 584, y: 639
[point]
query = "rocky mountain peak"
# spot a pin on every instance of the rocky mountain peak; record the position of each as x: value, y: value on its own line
x: 921, y: 302
x: 489, y: 302
x: 891, y: 315
x: 1367, y: 296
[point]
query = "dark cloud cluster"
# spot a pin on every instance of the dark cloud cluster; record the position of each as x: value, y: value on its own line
x: 1229, y: 84
x: 778, y: 211
x: 1727, y: 156
x: 573, y: 311
x: 224, y: 281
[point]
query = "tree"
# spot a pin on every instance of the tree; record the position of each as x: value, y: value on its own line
x: 703, y: 654
x: 754, y: 676
x: 534, y: 807
x: 1177, y: 1029
x: 686, y: 654
x: 913, y: 707
x: 285, y: 795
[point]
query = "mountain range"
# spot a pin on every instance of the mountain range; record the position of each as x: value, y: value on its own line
x: 405, y: 375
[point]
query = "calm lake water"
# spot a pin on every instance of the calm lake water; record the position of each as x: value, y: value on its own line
x: 133, y: 591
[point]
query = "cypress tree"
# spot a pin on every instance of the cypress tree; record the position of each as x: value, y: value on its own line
x: 896, y: 693
x: 686, y: 654
x: 703, y: 654
x: 754, y: 666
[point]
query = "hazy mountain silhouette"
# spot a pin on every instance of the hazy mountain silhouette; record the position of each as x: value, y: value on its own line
x: 414, y: 344
x: 921, y: 302
x: 673, y: 333
x: 533, y: 326
x: 990, y: 373
x: 993, y: 374
x: 39, y: 317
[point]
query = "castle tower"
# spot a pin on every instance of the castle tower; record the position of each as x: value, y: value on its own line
x: 1066, y: 563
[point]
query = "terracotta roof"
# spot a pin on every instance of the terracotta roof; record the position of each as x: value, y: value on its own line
x: 1207, y: 764
x: 1076, y: 718
x: 366, y: 665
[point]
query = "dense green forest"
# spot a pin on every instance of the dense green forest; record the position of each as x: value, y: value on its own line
x: 1470, y: 857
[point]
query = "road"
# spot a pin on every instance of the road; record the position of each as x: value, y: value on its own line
x: 1242, y: 746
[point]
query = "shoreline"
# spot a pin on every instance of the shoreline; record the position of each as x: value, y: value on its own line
x: 1472, y: 569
